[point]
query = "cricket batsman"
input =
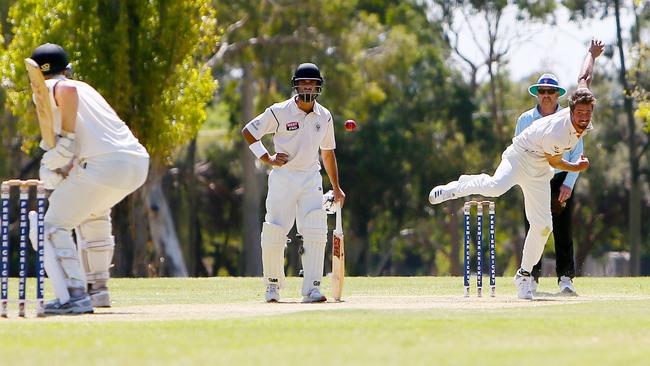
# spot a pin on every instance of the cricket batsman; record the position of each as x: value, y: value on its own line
x: 103, y: 163
x: 300, y: 127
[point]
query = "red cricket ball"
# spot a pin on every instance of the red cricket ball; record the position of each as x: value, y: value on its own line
x: 350, y: 125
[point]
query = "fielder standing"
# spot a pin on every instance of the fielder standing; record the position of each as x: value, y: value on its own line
x: 547, y: 90
x: 300, y: 127
x: 104, y: 163
x: 526, y: 163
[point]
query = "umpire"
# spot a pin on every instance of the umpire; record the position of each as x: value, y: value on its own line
x: 547, y: 90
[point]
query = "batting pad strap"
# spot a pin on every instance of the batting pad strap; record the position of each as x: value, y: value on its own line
x: 258, y: 149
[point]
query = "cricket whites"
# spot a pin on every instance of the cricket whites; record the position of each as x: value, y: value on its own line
x: 338, y: 257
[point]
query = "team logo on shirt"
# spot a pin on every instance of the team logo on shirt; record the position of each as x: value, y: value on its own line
x: 317, y: 126
x: 292, y: 126
x: 256, y: 125
x: 556, y: 149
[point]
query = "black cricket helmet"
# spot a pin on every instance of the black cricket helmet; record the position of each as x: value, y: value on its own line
x: 51, y: 58
x: 307, y: 71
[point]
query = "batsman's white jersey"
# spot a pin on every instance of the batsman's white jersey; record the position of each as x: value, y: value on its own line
x: 99, y: 130
x: 296, y: 188
x: 296, y: 133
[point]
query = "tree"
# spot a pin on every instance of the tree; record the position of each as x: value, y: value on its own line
x: 384, y: 64
x: 154, y: 78
x: 494, y: 42
x: 264, y: 41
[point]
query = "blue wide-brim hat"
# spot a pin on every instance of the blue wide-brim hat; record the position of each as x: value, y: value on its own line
x: 548, y: 80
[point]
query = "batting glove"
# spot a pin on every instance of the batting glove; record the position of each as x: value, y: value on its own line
x: 61, y: 154
x: 50, y: 178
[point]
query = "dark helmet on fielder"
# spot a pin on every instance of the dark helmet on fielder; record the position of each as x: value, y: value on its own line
x: 51, y: 58
x: 307, y: 71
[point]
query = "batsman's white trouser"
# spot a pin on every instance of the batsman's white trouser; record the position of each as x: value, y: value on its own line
x: 533, y: 176
x: 90, y: 190
x: 294, y: 196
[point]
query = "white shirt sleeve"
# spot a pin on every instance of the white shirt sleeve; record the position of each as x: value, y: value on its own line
x: 328, y: 142
x: 263, y: 124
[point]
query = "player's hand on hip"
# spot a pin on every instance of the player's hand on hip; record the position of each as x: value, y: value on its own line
x: 582, y: 163
x: 565, y: 193
x: 596, y: 48
x: 278, y: 159
x: 339, y: 196
x: 60, y: 155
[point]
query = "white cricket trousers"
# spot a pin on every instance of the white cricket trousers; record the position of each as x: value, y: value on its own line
x: 93, y: 187
x: 294, y: 196
x: 533, y: 175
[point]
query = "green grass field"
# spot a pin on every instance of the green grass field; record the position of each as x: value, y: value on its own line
x: 385, y: 321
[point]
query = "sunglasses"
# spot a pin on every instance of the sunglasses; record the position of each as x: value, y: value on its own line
x: 546, y: 91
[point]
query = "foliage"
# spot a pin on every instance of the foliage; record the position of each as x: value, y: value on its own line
x: 131, y: 52
x: 387, y: 64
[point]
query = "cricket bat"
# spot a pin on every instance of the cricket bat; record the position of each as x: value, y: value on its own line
x: 42, y: 101
x: 338, y: 257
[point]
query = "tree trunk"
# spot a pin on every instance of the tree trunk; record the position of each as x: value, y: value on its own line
x: 195, y: 244
x: 252, y: 190
x: 634, y: 196
x: 454, y: 228
x: 161, y: 223
x: 123, y: 228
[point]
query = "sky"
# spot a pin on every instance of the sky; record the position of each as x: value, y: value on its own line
x: 538, y: 48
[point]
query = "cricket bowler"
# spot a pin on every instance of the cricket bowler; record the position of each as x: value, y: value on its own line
x: 527, y: 162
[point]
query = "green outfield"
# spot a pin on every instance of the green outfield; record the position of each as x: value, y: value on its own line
x: 385, y: 321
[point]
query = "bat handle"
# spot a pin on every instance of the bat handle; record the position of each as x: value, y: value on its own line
x: 339, y: 219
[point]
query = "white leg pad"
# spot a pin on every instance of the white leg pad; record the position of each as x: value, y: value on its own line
x: 314, y: 231
x: 65, y: 251
x: 55, y: 273
x: 51, y: 264
x: 96, y: 245
x: 274, y: 240
x: 96, y: 258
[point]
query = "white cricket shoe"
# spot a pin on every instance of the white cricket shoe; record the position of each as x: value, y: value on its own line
x: 314, y: 296
x: 272, y: 293
x: 100, y: 299
x: 566, y: 286
x: 99, y: 295
x: 533, y: 286
x: 465, y: 178
x: 440, y: 194
x: 522, y: 282
x: 74, y: 306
